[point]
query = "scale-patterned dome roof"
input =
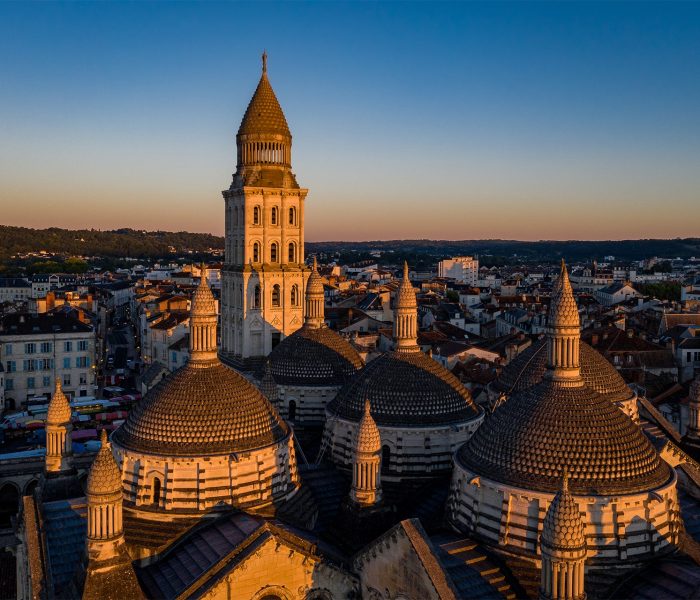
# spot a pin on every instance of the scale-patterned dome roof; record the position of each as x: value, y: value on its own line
x: 405, y: 388
x: 104, y: 477
x: 547, y: 429
x: 264, y: 113
x: 199, y: 411
x: 314, y: 357
x: 528, y: 369
x: 368, y: 440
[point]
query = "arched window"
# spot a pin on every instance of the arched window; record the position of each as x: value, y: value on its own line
x: 256, y: 215
x: 273, y: 215
x: 256, y: 252
x: 273, y: 252
x: 9, y: 503
x: 275, y: 295
x: 386, y: 457
x: 295, y: 295
x: 292, y: 410
x: 235, y: 215
x: 156, y: 491
x: 256, y: 297
x: 292, y: 253
x: 292, y: 216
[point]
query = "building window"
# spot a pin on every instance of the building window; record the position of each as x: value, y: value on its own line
x: 256, y: 297
x: 11, y: 366
x: 46, y: 381
x: 30, y: 348
x: 275, y: 295
x: 66, y: 379
x: 256, y: 252
x: 46, y: 364
x: 81, y: 361
x: 83, y: 379
x: 273, y: 216
x: 273, y: 252
x: 9, y: 385
x: 30, y: 383
x: 156, y: 491
x: 46, y: 347
x: 292, y: 252
x: 256, y: 215
x: 66, y: 363
x: 68, y: 346
x: 82, y: 346
x: 8, y: 349
x: 295, y: 295
x: 29, y: 365
x: 292, y: 216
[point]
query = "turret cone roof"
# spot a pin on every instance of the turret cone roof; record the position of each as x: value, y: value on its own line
x: 59, y: 407
x: 563, y: 311
x: 563, y: 527
x: 368, y: 440
x: 105, y: 477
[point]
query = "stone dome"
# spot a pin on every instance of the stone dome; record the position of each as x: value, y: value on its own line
x: 528, y: 369
x: 264, y: 114
x: 59, y: 408
x: 201, y: 411
x: 314, y: 357
x: 368, y: 440
x: 105, y: 477
x: 550, y: 428
x: 405, y: 388
x: 563, y: 527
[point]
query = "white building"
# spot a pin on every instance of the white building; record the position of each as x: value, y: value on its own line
x: 463, y: 269
x: 14, y: 289
x: 35, y: 348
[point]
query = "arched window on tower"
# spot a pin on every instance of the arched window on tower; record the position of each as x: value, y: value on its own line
x: 273, y: 252
x: 386, y: 458
x: 273, y: 216
x: 292, y: 216
x: 256, y: 215
x: 256, y: 252
x: 156, y: 491
x: 295, y: 295
x: 256, y: 297
x: 292, y: 253
x: 275, y: 295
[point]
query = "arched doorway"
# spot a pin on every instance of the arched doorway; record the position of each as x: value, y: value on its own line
x: 156, y: 491
x: 9, y: 504
x: 31, y: 486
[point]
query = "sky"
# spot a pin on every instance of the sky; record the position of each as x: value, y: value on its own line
x: 458, y: 120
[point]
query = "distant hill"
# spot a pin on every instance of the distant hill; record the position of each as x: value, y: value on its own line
x: 544, y: 250
x: 92, y: 242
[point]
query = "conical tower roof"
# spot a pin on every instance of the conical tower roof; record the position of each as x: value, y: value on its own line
x: 563, y: 311
x: 264, y: 114
x: 59, y: 407
x: 203, y: 302
x: 405, y: 294
x: 105, y: 477
x: 314, y: 285
x: 563, y: 527
x: 368, y: 439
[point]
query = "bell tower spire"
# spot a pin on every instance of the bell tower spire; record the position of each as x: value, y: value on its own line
x: 264, y: 275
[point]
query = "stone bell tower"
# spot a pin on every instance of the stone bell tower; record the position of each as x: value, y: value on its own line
x: 264, y: 274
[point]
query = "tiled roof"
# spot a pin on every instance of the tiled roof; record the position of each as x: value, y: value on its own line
x: 64, y: 524
x: 528, y: 369
x: 314, y: 357
x: 405, y: 388
x: 264, y: 113
x: 26, y: 324
x: 549, y: 429
x: 200, y: 411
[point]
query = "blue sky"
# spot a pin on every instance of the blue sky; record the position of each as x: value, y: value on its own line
x: 432, y: 120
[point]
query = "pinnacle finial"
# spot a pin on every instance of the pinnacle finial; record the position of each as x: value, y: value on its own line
x: 405, y: 270
x: 203, y: 271
x: 565, y: 481
x: 315, y: 264
x: 103, y: 437
x: 58, y: 384
x: 264, y: 61
x: 367, y: 406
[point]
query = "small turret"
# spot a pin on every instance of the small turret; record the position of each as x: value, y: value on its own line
x: 203, y: 318
x: 314, y: 317
x: 564, y: 335
x: 367, y: 451
x: 59, y: 449
x: 563, y: 548
x: 406, y: 316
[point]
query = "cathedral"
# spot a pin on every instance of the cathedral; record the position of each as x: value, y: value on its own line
x: 276, y: 465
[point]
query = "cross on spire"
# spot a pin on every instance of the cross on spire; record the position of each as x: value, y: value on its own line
x: 264, y: 61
